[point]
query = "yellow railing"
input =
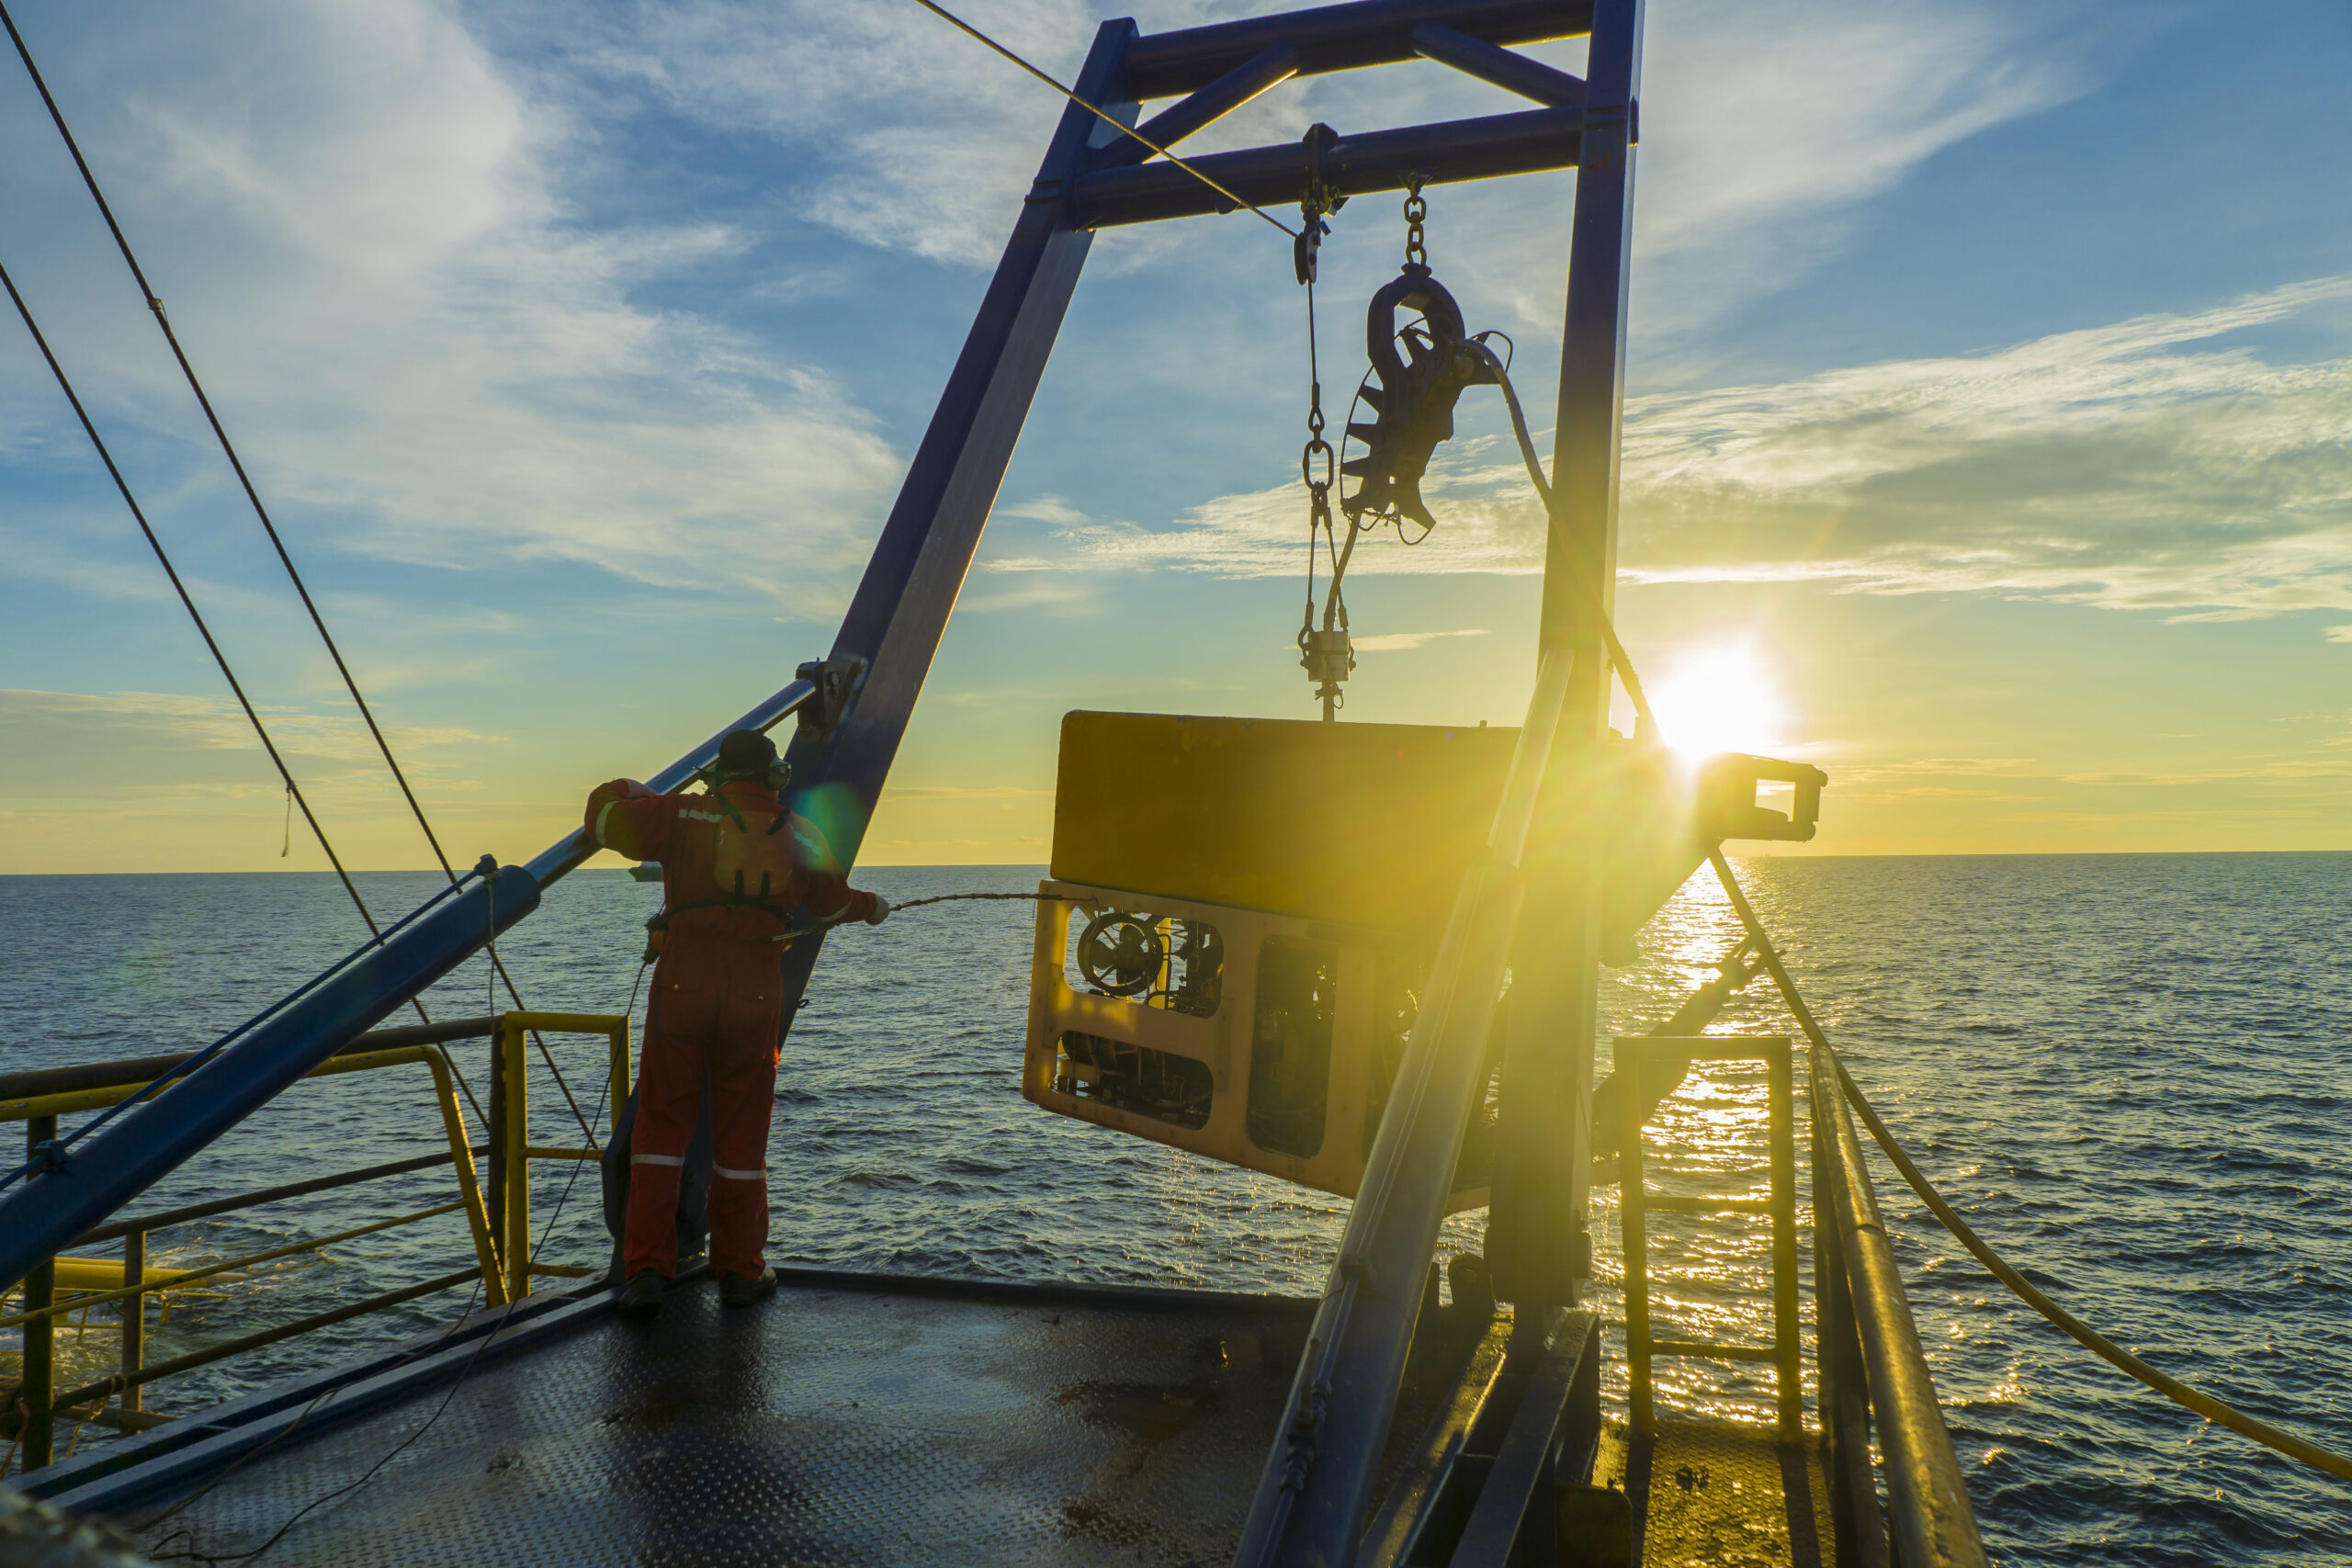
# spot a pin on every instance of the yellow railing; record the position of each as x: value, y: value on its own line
x: 513, y: 1150
x: 453, y: 1127
x: 498, y: 1220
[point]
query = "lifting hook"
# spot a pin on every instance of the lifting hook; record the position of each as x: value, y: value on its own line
x: 1415, y: 397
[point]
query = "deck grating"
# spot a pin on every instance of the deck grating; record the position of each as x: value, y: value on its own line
x: 827, y: 1426
x: 1720, y: 1495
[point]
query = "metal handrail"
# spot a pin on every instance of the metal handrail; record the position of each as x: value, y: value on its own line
x: 499, y: 1223
x: 1927, y: 1503
x: 354, y: 1058
x: 38, y: 1216
x: 511, y: 1150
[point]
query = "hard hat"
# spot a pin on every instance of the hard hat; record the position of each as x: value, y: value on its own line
x: 746, y: 753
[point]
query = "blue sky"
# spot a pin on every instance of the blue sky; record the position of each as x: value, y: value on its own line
x: 1990, y: 396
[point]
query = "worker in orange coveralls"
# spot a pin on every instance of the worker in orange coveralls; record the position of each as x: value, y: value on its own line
x: 735, y: 864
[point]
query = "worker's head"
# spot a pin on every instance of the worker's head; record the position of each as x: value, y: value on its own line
x: 749, y: 754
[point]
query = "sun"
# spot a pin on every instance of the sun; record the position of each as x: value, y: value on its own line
x: 1718, y: 699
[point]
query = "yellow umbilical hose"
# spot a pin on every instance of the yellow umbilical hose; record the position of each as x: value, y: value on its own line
x: 2172, y: 1388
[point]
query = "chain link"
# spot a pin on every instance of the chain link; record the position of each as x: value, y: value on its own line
x: 1417, y: 253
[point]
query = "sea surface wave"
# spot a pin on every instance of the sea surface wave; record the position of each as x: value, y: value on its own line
x: 2127, y: 1072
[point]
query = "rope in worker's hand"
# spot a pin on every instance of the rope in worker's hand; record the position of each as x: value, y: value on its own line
x: 958, y: 897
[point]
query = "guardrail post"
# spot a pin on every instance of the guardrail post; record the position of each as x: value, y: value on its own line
x: 134, y: 1318
x: 494, y: 1166
x: 511, y: 1111
x: 1785, y: 1323
x: 619, y: 1038
x: 1634, y: 1244
x: 482, y: 1217
x: 40, y: 1381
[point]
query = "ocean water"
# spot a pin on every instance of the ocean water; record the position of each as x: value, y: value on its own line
x: 2129, y: 1073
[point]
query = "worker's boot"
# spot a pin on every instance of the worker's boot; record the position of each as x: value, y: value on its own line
x: 736, y: 1291
x: 641, y: 1297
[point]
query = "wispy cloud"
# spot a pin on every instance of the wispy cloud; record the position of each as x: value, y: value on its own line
x: 1764, y: 124
x: 368, y: 226
x: 217, y: 724
x: 1403, y: 642
x: 1761, y: 117
x: 2141, y: 465
x: 2117, y: 466
x: 142, y: 743
x: 378, y: 240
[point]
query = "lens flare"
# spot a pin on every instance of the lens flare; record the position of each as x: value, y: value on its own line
x: 1719, y: 699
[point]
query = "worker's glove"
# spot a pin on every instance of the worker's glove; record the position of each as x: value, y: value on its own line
x: 881, y: 911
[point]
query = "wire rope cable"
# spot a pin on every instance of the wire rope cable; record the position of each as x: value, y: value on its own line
x: 2214, y: 1410
x: 1117, y: 124
x: 23, y: 314
x: 961, y: 898
x: 253, y: 496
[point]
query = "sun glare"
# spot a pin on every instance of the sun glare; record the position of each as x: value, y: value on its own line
x: 1718, y: 699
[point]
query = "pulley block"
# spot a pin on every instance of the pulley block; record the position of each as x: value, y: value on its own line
x: 1414, y: 396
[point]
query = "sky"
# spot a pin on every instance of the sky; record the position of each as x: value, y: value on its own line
x: 1988, y: 420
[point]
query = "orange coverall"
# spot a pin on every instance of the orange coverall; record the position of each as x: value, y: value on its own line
x: 717, y: 1012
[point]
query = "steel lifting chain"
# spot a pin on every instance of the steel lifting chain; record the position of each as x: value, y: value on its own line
x: 1417, y: 212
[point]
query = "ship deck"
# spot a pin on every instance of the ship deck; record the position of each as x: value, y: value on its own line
x: 848, y: 1420
x: 860, y: 1419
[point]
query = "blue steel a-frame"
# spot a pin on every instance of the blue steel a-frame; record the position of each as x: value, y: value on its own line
x: 1529, y: 908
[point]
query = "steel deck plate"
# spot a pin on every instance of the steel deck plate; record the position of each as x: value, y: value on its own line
x: 1720, y: 1495
x: 828, y: 1425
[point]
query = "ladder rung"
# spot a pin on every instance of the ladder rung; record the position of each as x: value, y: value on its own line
x: 1650, y: 1200
x: 1713, y: 1352
x: 1712, y: 1047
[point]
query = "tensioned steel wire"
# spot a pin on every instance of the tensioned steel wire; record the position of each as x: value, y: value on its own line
x: 2181, y: 1393
x: 65, y: 384
x: 1603, y: 622
x: 220, y: 435
x: 1114, y: 123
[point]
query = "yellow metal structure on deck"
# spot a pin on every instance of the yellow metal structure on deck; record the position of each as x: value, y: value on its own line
x: 510, y: 1107
x: 498, y: 1226
x: 1635, y: 1200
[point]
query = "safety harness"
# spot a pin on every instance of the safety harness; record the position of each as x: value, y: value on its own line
x: 749, y: 866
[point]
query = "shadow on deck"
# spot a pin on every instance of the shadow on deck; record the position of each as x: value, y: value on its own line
x: 862, y: 1419
x: 846, y: 1421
